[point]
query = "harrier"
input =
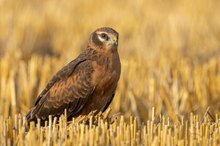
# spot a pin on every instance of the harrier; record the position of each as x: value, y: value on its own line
x: 86, y: 84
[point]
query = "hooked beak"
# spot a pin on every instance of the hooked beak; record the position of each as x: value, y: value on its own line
x: 115, y: 39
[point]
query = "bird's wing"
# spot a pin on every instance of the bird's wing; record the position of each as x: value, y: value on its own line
x: 68, y: 89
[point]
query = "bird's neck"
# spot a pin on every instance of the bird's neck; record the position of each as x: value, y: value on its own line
x: 102, y: 57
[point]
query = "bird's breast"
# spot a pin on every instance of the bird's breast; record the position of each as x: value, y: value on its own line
x: 106, y: 75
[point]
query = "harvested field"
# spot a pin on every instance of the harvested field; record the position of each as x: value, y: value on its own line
x: 169, y: 90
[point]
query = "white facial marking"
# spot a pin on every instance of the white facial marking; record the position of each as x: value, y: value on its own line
x: 100, y: 37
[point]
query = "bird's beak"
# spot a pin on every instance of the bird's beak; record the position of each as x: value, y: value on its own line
x: 115, y: 40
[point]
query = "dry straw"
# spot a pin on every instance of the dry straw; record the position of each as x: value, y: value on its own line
x: 170, y: 60
x: 100, y: 131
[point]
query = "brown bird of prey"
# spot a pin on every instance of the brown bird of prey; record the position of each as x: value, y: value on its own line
x: 86, y: 84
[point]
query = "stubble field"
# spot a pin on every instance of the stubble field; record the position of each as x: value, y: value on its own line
x: 169, y: 90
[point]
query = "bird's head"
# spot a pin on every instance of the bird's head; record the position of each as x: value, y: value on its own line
x: 104, y: 38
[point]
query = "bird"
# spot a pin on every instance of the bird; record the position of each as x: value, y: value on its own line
x: 86, y: 84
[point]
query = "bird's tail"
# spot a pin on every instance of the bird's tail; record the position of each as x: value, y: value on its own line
x: 30, y: 117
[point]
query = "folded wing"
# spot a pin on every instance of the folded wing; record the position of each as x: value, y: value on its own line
x: 69, y: 89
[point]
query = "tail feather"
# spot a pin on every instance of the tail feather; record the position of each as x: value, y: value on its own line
x: 30, y: 117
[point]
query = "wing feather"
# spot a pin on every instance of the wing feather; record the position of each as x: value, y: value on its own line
x: 69, y: 89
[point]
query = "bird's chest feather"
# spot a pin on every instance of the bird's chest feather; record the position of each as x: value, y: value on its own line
x: 106, y: 75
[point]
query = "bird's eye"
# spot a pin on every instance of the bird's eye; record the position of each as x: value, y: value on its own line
x: 104, y: 36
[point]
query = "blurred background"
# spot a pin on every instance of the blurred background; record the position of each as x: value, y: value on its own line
x: 170, y: 51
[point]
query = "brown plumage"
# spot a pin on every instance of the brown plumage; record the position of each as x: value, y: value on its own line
x: 86, y: 84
